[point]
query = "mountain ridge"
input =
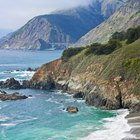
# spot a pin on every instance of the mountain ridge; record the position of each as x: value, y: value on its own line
x: 58, y: 29
x: 126, y: 17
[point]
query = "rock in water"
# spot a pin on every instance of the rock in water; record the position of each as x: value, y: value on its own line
x: 15, y: 96
x: 72, y: 109
x: 10, y: 84
x: 78, y: 95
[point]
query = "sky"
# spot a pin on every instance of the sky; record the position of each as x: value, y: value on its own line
x: 15, y: 13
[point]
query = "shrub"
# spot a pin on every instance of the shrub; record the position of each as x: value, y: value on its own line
x: 133, y: 34
x: 67, y: 53
x: 119, y: 36
x: 99, y: 49
x: 95, y: 48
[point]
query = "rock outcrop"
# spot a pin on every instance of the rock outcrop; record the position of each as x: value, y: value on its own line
x: 15, y: 96
x: 10, y: 84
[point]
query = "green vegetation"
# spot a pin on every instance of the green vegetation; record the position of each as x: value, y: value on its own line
x: 67, y: 53
x: 130, y: 35
x: 99, y: 49
x: 107, y: 61
x: 116, y: 41
x: 96, y: 49
x: 131, y: 63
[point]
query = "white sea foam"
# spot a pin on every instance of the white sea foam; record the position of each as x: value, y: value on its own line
x: 3, y: 118
x: 26, y: 120
x: 80, y: 101
x: 8, y: 124
x: 60, y: 92
x: 114, y: 129
x: 52, y: 100
x: 18, y: 75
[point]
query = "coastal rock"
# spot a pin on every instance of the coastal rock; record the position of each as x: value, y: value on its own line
x: 15, y: 96
x: 10, y: 84
x: 72, y: 109
x: 30, y: 69
x: 78, y: 95
x: 38, y: 85
x: 135, y: 108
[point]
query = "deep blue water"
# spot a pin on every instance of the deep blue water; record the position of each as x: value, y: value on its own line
x: 43, y: 117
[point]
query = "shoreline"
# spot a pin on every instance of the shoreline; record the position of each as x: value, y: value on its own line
x: 133, y: 120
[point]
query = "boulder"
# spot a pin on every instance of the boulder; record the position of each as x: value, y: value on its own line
x: 72, y: 109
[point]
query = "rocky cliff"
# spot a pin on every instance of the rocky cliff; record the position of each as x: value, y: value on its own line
x: 106, y: 81
x: 61, y: 28
x: 127, y: 16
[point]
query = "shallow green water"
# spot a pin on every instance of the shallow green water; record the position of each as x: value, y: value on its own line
x: 42, y: 117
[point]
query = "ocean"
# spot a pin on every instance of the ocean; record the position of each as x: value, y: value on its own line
x: 43, y: 116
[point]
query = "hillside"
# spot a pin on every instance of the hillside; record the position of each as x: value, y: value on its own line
x: 108, y: 80
x: 61, y: 28
x: 127, y: 16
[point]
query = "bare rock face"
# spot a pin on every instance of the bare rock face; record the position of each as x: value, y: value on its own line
x: 127, y: 16
x: 72, y: 109
x: 15, y: 96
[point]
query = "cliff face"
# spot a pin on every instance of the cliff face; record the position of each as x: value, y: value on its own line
x: 128, y: 16
x: 105, y: 81
x: 61, y: 28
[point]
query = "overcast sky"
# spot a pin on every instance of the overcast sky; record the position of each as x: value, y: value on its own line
x: 15, y: 13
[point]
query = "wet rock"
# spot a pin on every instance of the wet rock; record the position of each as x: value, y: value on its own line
x: 38, y: 85
x: 15, y: 96
x: 3, y: 92
x: 78, y: 95
x: 30, y: 69
x: 135, y: 107
x: 10, y: 84
x: 95, y: 99
x: 72, y: 109
x: 30, y: 96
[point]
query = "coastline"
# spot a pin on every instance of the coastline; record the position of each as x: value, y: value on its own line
x: 133, y: 120
x: 115, y: 128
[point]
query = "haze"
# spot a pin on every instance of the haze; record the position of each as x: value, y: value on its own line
x: 15, y: 13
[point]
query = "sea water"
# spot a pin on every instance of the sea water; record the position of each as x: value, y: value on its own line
x: 43, y: 116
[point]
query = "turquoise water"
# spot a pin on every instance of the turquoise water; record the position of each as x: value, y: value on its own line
x: 43, y: 116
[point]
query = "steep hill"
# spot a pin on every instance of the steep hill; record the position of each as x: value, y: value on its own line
x: 107, y: 81
x: 60, y: 28
x: 127, y: 16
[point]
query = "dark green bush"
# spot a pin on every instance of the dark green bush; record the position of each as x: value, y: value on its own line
x: 130, y: 35
x: 119, y: 36
x: 95, y: 48
x: 99, y: 49
x: 133, y: 34
x: 67, y: 53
